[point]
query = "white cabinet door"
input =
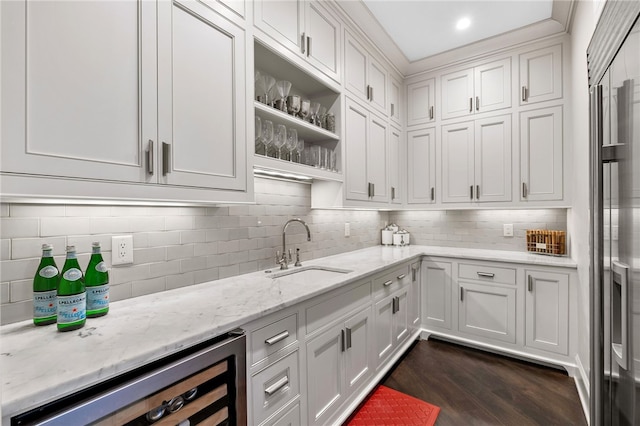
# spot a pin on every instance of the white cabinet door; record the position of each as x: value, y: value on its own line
x: 395, y: 166
x: 376, y: 159
x: 541, y: 75
x: 421, y: 160
x: 436, y: 294
x: 547, y: 311
x: 421, y: 101
x: 395, y: 100
x: 355, y: 68
x: 458, y: 162
x: 541, y: 154
x: 358, y: 355
x: 378, y: 85
x: 493, y: 159
x: 401, y: 316
x: 415, y: 298
x: 457, y: 94
x: 384, y: 328
x: 202, y: 123
x: 325, y: 374
x: 283, y: 20
x: 492, y: 84
x: 323, y: 45
x: 355, y: 141
x: 487, y: 311
x: 79, y: 94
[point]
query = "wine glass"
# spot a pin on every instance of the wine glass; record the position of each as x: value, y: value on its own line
x: 300, y: 149
x: 305, y: 106
x: 315, y: 107
x: 293, y: 104
x: 292, y: 142
x: 280, y: 139
x: 283, y: 87
x: 258, y: 141
x: 259, y: 87
x: 322, y: 117
x: 268, y: 82
x: 267, y: 135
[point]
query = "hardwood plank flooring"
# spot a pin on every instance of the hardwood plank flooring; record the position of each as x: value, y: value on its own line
x: 474, y: 387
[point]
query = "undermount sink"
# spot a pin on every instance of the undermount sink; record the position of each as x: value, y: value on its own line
x: 310, y: 273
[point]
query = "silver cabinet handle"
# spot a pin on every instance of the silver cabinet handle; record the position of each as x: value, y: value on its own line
x: 462, y: 294
x: 470, y: 104
x: 165, y: 159
x: 395, y: 305
x: 431, y: 113
x: 433, y: 193
x: 524, y: 93
x: 477, y: 192
x: 486, y: 274
x: 530, y: 283
x: 303, y: 40
x: 277, y: 338
x: 368, y: 92
x: 371, y: 93
x: 393, y: 193
x: 373, y: 189
x: 401, y: 276
x: 620, y: 312
x: 477, y: 103
x: 392, y: 109
x: 370, y: 190
x: 342, y: 340
x: 150, y: 157
x: 348, y: 337
x: 387, y: 283
x: 277, y: 386
x: 471, y: 192
x: 524, y: 190
x: 308, y: 46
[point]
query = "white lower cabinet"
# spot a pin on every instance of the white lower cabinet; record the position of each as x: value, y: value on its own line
x: 338, y: 362
x: 415, y: 314
x: 436, y: 294
x: 276, y: 385
x: 487, y: 311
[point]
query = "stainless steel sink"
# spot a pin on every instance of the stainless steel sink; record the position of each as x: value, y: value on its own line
x: 310, y: 273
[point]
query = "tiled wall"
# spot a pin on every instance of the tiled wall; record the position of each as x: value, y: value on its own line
x: 173, y: 246
x: 181, y: 246
x: 477, y: 228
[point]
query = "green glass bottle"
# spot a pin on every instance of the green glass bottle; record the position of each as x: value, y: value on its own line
x: 96, y: 280
x: 45, y: 287
x: 72, y: 297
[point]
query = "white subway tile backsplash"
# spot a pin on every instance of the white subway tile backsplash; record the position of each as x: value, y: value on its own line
x: 163, y: 269
x: 194, y: 264
x: 168, y: 238
x: 180, y: 252
x: 205, y: 275
x: 83, y: 242
x: 11, y: 227
x: 5, y: 249
x: 179, y: 223
x: 150, y: 255
x: 4, y: 293
x: 4, y: 210
x: 194, y: 236
x: 87, y: 211
x: 14, y: 270
x: 36, y: 210
x: 64, y: 226
x: 21, y: 290
x: 13, y: 312
x: 123, y: 274
x: 25, y: 248
x: 229, y: 271
x: 180, y: 280
x: 205, y: 249
x: 147, y: 223
x: 140, y: 288
x: 119, y: 291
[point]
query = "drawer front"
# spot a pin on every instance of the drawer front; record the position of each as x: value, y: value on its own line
x: 492, y: 274
x: 388, y: 283
x: 273, y: 337
x: 290, y: 417
x: 273, y: 387
x: 330, y: 309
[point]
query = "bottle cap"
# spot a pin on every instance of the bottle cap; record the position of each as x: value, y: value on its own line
x: 71, y: 248
x: 47, y: 247
x: 95, y: 244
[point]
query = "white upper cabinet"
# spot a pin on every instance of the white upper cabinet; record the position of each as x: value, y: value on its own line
x: 395, y: 166
x: 541, y: 75
x: 476, y: 161
x: 481, y: 89
x: 541, y: 154
x: 364, y: 75
x: 202, y: 136
x: 421, y: 101
x: 305, y: 28
x: 421, y: 160
x: 396, y: 99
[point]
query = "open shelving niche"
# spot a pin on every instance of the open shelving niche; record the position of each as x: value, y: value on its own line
x: 307, y: 87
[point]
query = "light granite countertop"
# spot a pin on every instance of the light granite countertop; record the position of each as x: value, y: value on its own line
x: 39, y: 364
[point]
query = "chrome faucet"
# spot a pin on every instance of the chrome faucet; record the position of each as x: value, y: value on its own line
x: 284, y: 260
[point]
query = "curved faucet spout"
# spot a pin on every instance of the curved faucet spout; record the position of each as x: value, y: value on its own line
x: 284, y: 260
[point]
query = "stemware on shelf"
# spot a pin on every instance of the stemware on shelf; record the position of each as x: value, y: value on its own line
x: 292, y: 142
x: 267, y: 135
x: 259, y: 87
x: 300, y: 149
x: 268, y: 83
x: 315, y: 107
x: 305, y: 109
x: 322, y: 117
x: 280, y: 139
x: 293, y: 105
x: 258, y: 139
x: 282, y: 87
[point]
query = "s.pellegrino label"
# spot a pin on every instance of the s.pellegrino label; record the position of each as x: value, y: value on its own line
x: 45, y: 287
x: 71, y: 296
x: 96, y: 281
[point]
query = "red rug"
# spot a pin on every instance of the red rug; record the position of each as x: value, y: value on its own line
x: 388, y: 407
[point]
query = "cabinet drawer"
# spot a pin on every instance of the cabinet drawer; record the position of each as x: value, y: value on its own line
x: 291, y: 417
x: 273, y: 387
x: 487, y: 273
x: 333, y: 308
x: 273, y: 337
x: 391, y: 281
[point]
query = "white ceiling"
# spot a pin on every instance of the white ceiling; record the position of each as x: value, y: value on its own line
x: 423, y: 28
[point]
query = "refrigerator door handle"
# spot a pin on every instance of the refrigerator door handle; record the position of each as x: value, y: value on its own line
x: 620, y: 348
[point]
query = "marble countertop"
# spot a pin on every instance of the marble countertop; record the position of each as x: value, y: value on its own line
x: 39, y: 364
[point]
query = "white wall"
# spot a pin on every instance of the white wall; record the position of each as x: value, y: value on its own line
x: 585, y: 18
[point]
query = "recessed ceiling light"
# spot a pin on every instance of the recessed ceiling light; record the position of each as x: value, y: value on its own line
x: 463, y: 23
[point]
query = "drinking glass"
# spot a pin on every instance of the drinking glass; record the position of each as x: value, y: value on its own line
x: 315, y: 107
x: 267, y: 135
x: 300, y: 149
x: 292, y: 142
x: 293, y: 104
x: 267, y: 83
x: 280, y: 139
x: 322, y: 117
x: 283, y: 87
x: 258, y: 142
x: 305, y: 107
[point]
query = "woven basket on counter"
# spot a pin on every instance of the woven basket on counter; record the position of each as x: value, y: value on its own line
x: 546, y: 241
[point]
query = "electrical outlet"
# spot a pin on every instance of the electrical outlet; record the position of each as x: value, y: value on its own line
x: 347, y: 229
x: 122, y: 250
x: 507, y: 230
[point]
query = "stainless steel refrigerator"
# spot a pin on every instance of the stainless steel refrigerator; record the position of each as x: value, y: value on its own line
x: 613, y: 60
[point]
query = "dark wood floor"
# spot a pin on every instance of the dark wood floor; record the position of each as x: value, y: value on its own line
x: 474, y: 387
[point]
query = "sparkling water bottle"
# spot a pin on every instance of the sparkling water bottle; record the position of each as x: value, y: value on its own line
x: 45, y: 286
x: 72, y: 297
x: 96, y: 280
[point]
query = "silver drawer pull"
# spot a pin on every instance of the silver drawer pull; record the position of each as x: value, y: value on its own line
x: 387, y: 283
x: 277, y: 386
x: 277, y: 338
x: 401, y: 276
x: 486, y: 274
